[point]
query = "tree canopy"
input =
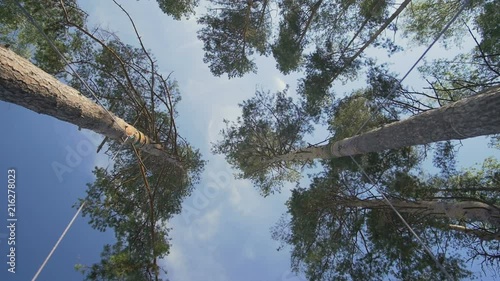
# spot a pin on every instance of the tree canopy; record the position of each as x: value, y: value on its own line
x: 271, y: 125
x: 325, y: 40
x: 341, y: 225
x: 178, y: 8
x: 339, y: 228
x: 232, y: 33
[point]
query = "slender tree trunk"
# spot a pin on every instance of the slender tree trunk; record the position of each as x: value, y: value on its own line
x: 24, y: 84
x: 372, y: 38
x: 365, y: 22
x: 481, y: 234
x: 465, y: 189
x: 472, y: 211
x: 474, y: 116
x: 314, y: 11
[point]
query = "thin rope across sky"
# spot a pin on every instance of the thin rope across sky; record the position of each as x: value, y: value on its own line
x: 58, y: 241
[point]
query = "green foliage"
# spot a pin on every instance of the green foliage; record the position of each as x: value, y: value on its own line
x: 351, y: 113
x: 392, y: 240
x: 120, y: 263
x: 487, y: 26
x: 332, y: 239
x: 452, y: 80
x: 481, y: 183
x: 335, y: 32
x: 444, y: 158
x: 337, y: 234
x: 356, y: 114
x: 322, y: 39
x: 296, y: 23
x: 426, y: 18
x: 495, y: 142
x: 232, y: 33
x: 385, y: 91
x: 25, y: 39
x: 302, y: 25
x: 271, y: 125
x: 320, y: 67
x: 286, y: 50
x: 373, y: 8
x: 136, y: 200
x: 332, y: 234
x: 136, y: 206
x: 338, y: 230
x: 178, y: 8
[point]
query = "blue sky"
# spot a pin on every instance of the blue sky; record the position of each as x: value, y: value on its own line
x: 32, y: 144
x: 223, y: 232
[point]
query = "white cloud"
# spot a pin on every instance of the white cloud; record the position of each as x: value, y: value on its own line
x: 216, y: 123
x: 207, y: 226
x: 235, y: 196
x: 177, y: 261
x: 244, y: 198
x: 279, y: 83
x: 194, y: 252
x: 189, y: 261
x: 249, y: 252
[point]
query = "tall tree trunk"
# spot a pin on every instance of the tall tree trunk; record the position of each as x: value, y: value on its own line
x: 314, y: 11
x: 481, y: 234
x: 372, y: 38
x: 24, y: 84
x: 474, y: 116
x: 472, y: 211
x: 365, y: 22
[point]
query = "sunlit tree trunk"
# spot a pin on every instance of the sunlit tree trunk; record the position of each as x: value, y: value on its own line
x: 24, y: 84
x: 481, y: 234
x: 477, y: 115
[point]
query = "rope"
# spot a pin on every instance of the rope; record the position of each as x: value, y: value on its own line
x: 57, y: 243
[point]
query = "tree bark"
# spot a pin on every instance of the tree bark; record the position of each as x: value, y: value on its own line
x: 471, y: 211
x: 481, y: 234
x: 474, y: 116
x: 24, y: 84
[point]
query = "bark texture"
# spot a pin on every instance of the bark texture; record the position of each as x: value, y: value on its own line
x: 471, y: 211
x: 481, y: 234
x: 24, y: 84
x: 470, y: 117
